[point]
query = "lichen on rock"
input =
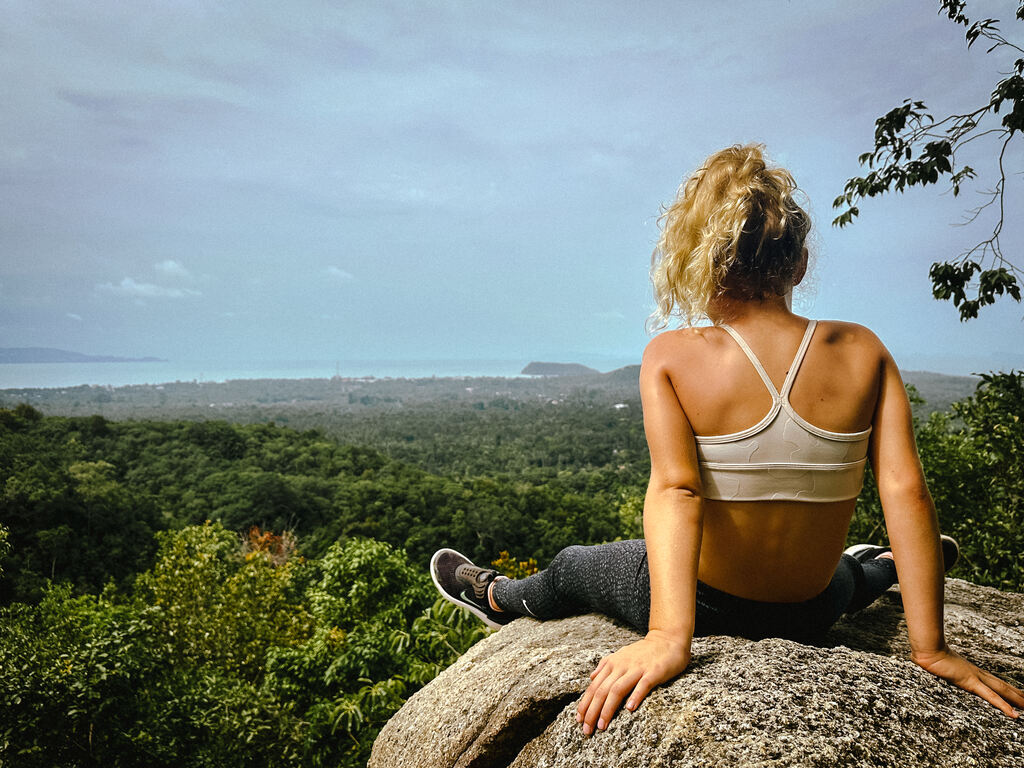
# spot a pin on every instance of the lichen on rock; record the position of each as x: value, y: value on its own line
x: 853, y: 700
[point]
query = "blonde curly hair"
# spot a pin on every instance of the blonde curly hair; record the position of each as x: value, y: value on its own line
x: 733, y: 230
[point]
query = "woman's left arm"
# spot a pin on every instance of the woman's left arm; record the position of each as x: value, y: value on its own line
x: 673, y: 523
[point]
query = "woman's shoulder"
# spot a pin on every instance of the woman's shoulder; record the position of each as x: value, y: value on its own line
x: 678, y: 344
x: 677, y: 349
x: 843, y: 333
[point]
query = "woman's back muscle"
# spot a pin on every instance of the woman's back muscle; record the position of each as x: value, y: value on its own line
x: 776, y: 551
x: 718, y: 388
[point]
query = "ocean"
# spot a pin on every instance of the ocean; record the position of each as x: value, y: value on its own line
x: 49, y: 375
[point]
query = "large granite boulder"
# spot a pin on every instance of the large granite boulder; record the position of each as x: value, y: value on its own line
x: 855, y: 700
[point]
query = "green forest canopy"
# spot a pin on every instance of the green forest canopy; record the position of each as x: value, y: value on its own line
x: 209, y: 593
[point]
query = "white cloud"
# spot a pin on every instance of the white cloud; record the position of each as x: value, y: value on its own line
x: 172, y: 268
x: 340, y: 274
x: 129, y: 287
x: 73, y: 316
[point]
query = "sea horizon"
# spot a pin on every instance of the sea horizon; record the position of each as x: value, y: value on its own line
x: 121, y: 374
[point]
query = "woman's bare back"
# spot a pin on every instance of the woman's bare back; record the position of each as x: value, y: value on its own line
x: 773, y: 551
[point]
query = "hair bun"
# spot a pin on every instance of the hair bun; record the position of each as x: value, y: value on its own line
x: 734, y: 228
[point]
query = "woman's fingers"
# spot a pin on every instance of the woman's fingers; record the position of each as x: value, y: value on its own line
x: 979, y: 688
x: 1000, y: 694
x: 604, y: 696
x: 596, y: 678
x: 616, y: 692
x: 631, y: 672
x: 953, y: 667
x: 1012, y: 694
x: 593, y: 700
x: 643, y: 687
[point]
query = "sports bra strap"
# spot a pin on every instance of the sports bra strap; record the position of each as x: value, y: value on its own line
x: 753, y: 359
x: 787, y: 385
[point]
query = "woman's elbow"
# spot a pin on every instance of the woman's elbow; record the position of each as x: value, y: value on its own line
x: 674, y: 494
x: 909, y: 490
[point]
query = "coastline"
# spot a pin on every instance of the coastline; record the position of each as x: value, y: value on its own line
x: 23, y: 376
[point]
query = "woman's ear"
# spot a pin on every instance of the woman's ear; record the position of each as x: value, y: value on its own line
x: 801, y: 270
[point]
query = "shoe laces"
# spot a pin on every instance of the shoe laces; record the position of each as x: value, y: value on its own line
x: 475, y: 577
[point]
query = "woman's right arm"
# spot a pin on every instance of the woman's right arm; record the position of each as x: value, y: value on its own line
x: 914, y: 536
x: 673, y: 520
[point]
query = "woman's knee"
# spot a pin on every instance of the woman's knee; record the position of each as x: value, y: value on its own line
x: 568, y: 558
x: 566, y: 567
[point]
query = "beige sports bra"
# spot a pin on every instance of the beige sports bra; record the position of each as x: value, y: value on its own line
x: 782, y: 457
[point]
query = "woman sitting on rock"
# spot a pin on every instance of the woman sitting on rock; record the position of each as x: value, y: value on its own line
x: 759, y: 426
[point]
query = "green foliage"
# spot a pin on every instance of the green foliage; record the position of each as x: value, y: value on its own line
x: 218, y: 605
x: 207, y: 647
x: 975, y: 471
x: 631, y: 514
x: 70, y: 668
x: 69, y: 515
x: 513, y: 567
x: 913, y: 149
x: 223, y: 656
x: 365, y: 581
x: 82, y: 497
x: 994, y: 431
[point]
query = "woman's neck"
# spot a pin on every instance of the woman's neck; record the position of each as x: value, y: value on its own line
x: 740, y: 312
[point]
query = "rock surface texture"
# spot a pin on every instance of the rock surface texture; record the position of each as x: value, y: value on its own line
x: 855, y: 700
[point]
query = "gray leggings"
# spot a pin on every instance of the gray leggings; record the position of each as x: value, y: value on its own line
x: 613, y: 579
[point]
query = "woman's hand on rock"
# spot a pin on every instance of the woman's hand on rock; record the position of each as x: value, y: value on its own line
x: 630, y: 672
x: 951, y: 666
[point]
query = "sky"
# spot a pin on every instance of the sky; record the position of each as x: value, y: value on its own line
x: 467, y: 179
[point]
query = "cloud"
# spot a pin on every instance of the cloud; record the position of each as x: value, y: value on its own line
x: 172, y: 268
x: 129, y: 287
x: 340, y: 274
x: 150, y: 110
x: 73, y: 316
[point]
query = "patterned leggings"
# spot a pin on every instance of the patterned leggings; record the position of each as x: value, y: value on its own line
x: 614, y: 579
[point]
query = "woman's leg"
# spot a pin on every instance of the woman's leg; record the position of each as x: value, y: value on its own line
x: 608, y: 578
x: 854, y: 585
x: 613, y: 579
x: 871, y: 578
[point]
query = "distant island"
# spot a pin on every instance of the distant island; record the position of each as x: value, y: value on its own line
x: 49, y: 355
x: 557, y: 369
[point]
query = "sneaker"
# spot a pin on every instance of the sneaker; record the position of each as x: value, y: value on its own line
x: 950, y: 552
x: 464, y: 584
x: 864, y: 552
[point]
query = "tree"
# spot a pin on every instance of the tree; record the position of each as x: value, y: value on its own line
x: 912, y: 148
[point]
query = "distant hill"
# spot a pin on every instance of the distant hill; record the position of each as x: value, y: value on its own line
x: 49, y: 355
x: 557, y: 369
x: 940, y: 390
x: 628, y: 375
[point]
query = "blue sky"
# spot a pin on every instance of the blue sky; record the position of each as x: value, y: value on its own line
x: 450, y: 179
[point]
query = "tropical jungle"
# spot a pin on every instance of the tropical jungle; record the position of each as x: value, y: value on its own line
x: 183, y: 585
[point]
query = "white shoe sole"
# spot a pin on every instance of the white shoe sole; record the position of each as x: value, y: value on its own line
x: 455, y: 600
x: 856, y: 549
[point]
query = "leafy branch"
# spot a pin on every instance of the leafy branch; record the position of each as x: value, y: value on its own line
x: 912, y: 148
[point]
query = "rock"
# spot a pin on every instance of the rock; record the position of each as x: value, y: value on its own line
x: 855, y: 700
